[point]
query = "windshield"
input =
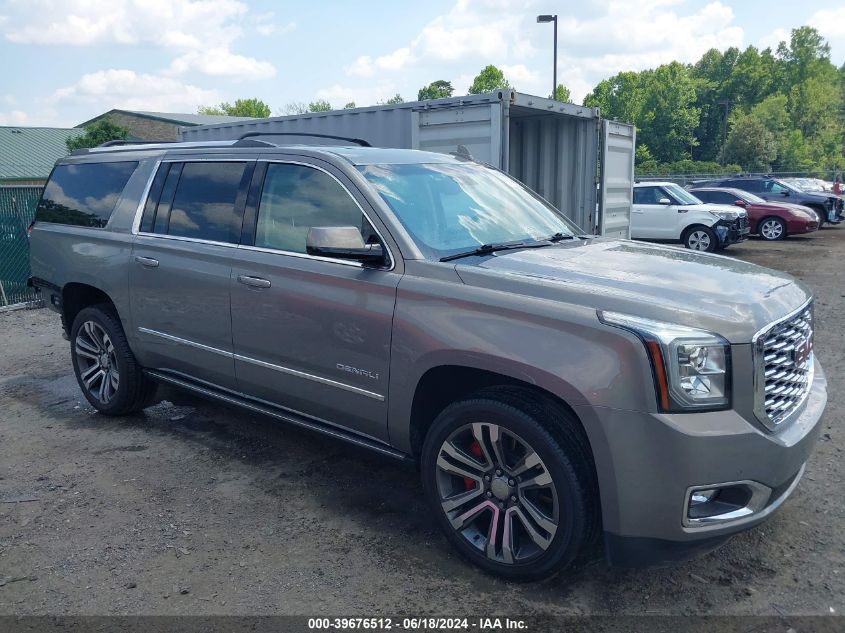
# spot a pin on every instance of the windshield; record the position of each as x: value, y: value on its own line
x: 449, y: 207
x: 779, y: 185
x: 681, y: 195
x: 748, y: 197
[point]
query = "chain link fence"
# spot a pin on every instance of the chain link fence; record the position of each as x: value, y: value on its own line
x: 17, y: 209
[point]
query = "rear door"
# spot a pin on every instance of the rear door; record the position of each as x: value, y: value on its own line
x: 181, y: 265
x: 311, y: 334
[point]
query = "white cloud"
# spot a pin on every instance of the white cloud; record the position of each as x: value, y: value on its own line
x: 830, y: 23
x: 220, y: 62
x: 597, y: 39
x: 201, y: 33
x: 121, y: 88
x: 15, y: 117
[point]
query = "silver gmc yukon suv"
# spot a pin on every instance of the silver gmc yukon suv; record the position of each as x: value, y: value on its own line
x: 557, y: 390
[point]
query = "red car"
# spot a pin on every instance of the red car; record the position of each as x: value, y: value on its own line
x: 770, y: 220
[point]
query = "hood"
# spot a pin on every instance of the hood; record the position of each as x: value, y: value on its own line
x: 797, y: 209
x: 727, y: 208
x: 712, y: 292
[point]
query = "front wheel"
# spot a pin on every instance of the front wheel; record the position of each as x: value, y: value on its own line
x: 701, y: 238
x: 106, y: 370
x: 512, y: 497
x: 772, y: 229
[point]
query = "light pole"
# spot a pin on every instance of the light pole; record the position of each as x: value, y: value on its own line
x: 552, y: 18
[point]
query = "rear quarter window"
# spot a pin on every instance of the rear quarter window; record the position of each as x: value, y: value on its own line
x: 83, y: 194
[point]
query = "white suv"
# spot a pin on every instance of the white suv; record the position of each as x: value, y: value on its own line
x: 663, y: 211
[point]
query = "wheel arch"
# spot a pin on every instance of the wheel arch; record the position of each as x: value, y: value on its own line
x: 77, y: 296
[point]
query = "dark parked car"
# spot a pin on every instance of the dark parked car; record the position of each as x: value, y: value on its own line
x: 775, y: 190
x: 769, y: 220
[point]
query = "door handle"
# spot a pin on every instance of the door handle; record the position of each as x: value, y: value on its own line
x: 254, y: 282
x: 682, y: 210
x: 146, y: 262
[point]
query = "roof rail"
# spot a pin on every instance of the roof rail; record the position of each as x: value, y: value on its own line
x: 357, y: 141
x: 123, y: 141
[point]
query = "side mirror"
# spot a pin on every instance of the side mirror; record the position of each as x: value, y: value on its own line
x: 342, y: 242
x: 664, y: 201
x: 740, y: 203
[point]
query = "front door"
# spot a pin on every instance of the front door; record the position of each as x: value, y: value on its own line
x: 651, y: 220
x: 311, y: 334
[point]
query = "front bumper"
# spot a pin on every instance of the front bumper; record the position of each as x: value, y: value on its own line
x: 732, y: 232
x: 647, y: 462
x: 798, y: 226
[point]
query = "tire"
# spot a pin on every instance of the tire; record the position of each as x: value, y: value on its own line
x: 99, y: 347
x: 562, y: 509
x: 822, y: 215
x: 701, y: 238
x: 772, y: 229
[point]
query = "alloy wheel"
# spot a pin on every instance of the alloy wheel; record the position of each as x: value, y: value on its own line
x: 97, y: 361
x: 497, y: 493
x: 698, y: 241
x: 771, y: 229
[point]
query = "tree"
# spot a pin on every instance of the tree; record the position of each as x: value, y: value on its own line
x: 561, y: 94
x: 750, y: 145
x: 320, y: 105
x: 669, y: 117
x: 489, y: 79
x: 439, y: 89
x: 242, y: 107
x: 394, y: 100
x: 349, y: 105
x: 294, y: 107
x: 620, y: 97
x: 804, y: 53
x: 97, y: 133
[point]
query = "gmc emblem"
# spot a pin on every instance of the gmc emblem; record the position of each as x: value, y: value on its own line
x: 802, y: 352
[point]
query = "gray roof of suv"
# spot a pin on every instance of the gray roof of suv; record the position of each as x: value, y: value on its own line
x: 357, y: 155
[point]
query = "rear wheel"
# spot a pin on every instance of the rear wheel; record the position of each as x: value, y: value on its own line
x: 701, y: 238
x: 772, y: 229
x: 512, y: 497
x: 106, y: 370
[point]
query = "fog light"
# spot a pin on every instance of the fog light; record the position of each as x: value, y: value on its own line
x: 699, y: 497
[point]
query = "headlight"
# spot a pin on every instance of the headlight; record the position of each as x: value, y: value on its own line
x: 725, y: 215
x: 691, y: 367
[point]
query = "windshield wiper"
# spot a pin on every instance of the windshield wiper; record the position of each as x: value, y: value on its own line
x: 487, y: 249
x: 559, y: 237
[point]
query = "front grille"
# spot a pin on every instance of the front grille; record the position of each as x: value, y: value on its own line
x: 784, y: 362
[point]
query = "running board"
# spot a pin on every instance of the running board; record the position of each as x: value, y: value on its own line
x: 285, y: 416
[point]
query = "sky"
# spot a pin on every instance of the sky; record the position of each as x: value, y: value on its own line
x: 63, y: 62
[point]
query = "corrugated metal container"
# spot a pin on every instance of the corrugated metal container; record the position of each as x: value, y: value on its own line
x: 580, y: 163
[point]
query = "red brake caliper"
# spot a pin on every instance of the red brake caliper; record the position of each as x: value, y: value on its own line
x: 475, y: 450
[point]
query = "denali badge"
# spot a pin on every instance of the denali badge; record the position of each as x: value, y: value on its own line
x: 356, y: 371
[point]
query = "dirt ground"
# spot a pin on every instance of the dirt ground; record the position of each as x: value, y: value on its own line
x: 195, y: 508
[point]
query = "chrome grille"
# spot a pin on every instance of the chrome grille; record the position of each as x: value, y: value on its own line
x: 784, y: 365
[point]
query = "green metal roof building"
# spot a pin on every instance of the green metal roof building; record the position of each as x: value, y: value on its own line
x: 27, y: 154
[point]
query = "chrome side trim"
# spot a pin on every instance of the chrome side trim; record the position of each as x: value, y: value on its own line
x: 184, y: 341
x: 286, y: 416
x: 302, y: 374
x: 266, y: 365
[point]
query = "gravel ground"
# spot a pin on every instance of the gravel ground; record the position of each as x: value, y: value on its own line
x: 195, y: 508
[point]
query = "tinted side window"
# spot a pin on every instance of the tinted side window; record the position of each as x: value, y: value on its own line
x: 294, y: 199
x: 723, y: 197
x: 746, y: 185
x: 704, y: 196
x: 647, y: 195
x: 204, y: 204
x: 83, y: 194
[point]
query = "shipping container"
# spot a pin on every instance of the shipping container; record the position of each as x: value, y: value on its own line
x: 582, y: 164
